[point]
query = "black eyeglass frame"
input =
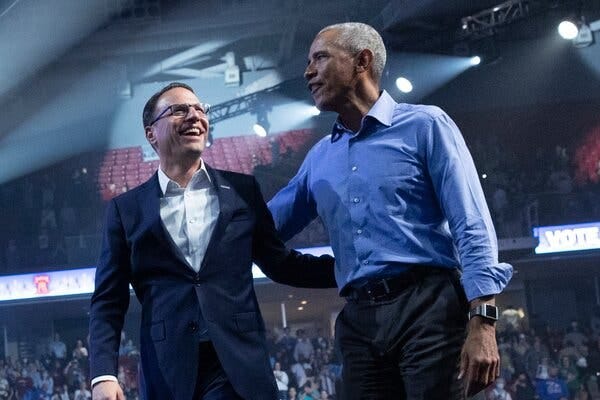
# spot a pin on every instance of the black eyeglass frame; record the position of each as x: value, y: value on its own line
x: 204, y: 109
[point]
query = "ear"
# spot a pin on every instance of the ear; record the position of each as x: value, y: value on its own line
x: 364, y: 60
x: 150, y: 136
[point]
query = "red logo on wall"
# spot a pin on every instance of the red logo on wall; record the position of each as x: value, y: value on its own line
x: 41, y: 284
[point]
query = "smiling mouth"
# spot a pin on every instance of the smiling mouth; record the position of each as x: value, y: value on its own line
x: 313, y: 88
x: 191, y: 132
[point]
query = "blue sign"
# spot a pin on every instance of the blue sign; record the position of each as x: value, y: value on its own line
x: 577, y: 237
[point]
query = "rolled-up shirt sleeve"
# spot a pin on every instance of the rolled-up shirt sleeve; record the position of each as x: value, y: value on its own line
x: 461, y: 198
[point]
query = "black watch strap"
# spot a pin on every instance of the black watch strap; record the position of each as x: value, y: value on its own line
x: 486, y: 311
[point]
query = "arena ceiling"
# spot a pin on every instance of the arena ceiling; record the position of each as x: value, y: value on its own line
x: 152, y: 40
x: 61, y: 56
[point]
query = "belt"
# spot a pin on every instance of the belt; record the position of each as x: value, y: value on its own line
x: 387, y: 288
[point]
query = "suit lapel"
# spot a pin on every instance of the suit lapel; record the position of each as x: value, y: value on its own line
x: 150, y: 203
x: 227, y: 199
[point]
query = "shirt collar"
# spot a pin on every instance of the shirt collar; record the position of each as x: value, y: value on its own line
x: 382, y: 111
x: 164, y: 180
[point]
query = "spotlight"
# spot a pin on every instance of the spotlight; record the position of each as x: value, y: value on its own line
x: 475, y: 60
x: 568, y: 30
x: 259, y: 130
x: 314, y: 111
x: 404, y: 85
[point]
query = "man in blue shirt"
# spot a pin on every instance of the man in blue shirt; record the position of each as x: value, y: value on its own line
x: 397, y: 190
x: 553, y: 388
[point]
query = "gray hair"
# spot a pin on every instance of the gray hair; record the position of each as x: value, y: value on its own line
x: 355, y: 37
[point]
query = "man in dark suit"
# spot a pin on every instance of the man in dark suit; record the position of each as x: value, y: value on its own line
x: 185, y: 240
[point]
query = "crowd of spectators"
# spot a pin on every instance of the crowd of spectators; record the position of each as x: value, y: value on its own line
x: 61, y: 373
x: 41, y: 210
x: 538, y: 189
x: 538, y: 362
x: 305, y: 368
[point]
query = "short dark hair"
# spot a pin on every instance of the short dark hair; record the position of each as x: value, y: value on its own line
x: 148, y: 113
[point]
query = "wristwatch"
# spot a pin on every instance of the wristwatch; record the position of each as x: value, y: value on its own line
x: 486, y: 311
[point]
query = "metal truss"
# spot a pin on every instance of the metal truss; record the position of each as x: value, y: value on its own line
x: 241, y: 105
x: 484, y: 23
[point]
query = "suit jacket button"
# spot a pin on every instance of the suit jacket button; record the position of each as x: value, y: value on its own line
x: 193, y: 326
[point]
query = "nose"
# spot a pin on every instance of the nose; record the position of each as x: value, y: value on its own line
x: 195, y: 114
x: 309, y: 72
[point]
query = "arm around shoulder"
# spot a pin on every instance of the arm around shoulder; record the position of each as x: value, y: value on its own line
x: 282, y: 264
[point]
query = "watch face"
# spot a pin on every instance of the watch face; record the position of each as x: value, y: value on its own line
x: 491, y: 311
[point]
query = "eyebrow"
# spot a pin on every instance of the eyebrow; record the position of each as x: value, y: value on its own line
x: 317, y: 53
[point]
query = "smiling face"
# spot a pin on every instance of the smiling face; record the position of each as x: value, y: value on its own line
x: 175, y: 137
x: 331, y: 73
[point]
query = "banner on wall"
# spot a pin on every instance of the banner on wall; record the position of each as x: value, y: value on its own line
x: 560, y: 238
x: 77, y: 281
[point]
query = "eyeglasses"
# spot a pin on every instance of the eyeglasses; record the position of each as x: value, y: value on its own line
x: 182, y: 110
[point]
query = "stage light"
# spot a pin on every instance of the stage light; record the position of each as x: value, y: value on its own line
x: 568, y: 30
x: 259, y: 130
x: 475, y: 60
x: 314, y: 111
x: 404, y: 85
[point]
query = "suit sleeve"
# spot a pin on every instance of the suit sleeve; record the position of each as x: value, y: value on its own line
x: 111, y: 296
x: 281, y: 264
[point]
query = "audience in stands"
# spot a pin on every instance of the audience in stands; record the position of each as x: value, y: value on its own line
x: 282, y: 380
x: 546, y: 364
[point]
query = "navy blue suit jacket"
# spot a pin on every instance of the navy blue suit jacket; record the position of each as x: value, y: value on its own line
x: 136, y: 249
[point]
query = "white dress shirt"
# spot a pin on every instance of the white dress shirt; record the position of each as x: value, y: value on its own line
x: 189, y: 215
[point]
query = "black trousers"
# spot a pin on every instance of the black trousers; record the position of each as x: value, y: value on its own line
x: 212, y: 382
x: 406, y: 347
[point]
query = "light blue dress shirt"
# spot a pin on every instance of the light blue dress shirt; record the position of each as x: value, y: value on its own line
x: 403, y: 190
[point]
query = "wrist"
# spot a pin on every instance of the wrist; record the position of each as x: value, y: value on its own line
x: 480, y: 324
